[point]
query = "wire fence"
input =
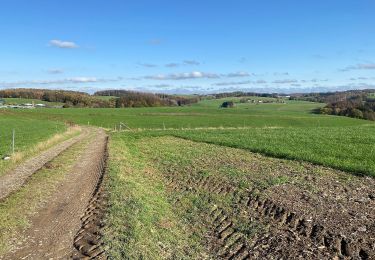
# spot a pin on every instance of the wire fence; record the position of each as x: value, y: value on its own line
x: 22, y: 138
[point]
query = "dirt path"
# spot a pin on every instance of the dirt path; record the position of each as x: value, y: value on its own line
x: 13, y: 180
x: 55, y: 226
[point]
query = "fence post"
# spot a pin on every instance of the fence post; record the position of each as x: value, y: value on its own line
x: 13, y: 137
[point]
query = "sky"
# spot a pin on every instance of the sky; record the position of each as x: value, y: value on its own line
x: 188, y: 47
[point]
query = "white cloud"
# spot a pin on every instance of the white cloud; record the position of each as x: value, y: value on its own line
x: 238, y: 74
x: 237, y: 83
x: 285, y: 81
x: 361, y: 66
x: 172, y: 65
x: 75, y: 80
x: 234, y: 83
x: 55, y: 71
x: 147, y: 65
x: 191, y: 62
x: 63, y: 44
x: 183, y: 76
x: 155, y: 42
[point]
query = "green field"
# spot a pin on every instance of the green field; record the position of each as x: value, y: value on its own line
x: 204, y: 114
x: 28, y: 132
x: 287, y: 130
x: 196, y: 150
x: 18, y: 101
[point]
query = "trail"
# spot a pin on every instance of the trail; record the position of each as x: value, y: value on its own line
x: 14, y: 179
x: 55, y: 226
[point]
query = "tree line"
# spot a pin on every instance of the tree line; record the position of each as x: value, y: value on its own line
x: 125, y: 98
x: 120, y: 98
x: 351, y: 103
x: 69, y: 98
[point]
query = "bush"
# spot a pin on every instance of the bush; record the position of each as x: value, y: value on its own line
x: 227, y: 104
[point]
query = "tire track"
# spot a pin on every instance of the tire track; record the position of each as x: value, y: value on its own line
x: 13, y: 180
x: 88, y: 240
x: 55, y: 225
x: 230, y: 243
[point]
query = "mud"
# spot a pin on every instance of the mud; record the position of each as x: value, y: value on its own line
x: 54, y: 228
x: 318, y: 213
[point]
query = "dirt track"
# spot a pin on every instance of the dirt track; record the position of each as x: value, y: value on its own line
x: 55, y: 226
x: 14, y: 179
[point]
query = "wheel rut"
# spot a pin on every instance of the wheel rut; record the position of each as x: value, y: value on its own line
x: 68, y: 225
x: 286, y: 227
x: 88, y: 242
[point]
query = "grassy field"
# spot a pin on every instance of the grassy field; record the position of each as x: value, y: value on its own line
x: 28, y: 132
x: 287, y: 130
x: 176, y: 197
x: 205, y: 114
x: 338, y: 147
x: 142, y: 223
x: 17, y: 101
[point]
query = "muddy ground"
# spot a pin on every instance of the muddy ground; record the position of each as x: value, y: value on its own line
x: 64, y: 227
x: 265, y: 208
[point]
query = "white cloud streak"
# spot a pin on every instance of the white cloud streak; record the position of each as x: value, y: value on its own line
x: 63, y: 44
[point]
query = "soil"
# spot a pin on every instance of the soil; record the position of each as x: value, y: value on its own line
x: 67, y: 214
x: 309, y: 212
x: 14, y: 179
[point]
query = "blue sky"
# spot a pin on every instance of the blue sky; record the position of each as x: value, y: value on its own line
x: 188, y: 46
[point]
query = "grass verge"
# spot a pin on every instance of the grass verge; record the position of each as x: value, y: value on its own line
x: 18, y: 157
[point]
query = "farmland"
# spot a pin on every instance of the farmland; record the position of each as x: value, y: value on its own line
x: 204, y: 114
x: 228, y: 203
x: 18, y: 101
x: 28, y: 134
x: 205, y: 182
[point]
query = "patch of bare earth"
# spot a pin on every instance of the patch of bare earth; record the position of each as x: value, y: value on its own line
x: 273, y: 208
x: 54, y: 228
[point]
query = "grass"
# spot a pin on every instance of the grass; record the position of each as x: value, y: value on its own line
x: 17, y: 101
x: 345, y: 148
x: 18, y: 157
x: 142, y: 223
x: 204, y: 114
x: 16, y: 209
x: 28, y: 131
x: 146, y: 211
x: 287, y: 130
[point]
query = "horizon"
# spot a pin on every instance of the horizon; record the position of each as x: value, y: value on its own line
x: 188, y: 48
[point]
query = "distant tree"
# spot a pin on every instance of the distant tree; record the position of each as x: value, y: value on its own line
x: 227, y: 104
x: 356, y: 113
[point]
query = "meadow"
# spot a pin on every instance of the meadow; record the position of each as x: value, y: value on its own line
x: 179, y: 179
x: 204, y: 114
x: 29, y: 133
x: 18, y: 101
x: 285, y: 130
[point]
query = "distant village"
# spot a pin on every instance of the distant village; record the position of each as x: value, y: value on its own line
x: 3, y: 104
